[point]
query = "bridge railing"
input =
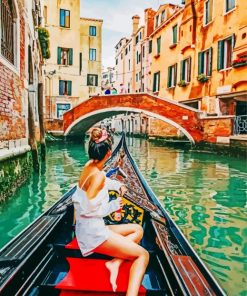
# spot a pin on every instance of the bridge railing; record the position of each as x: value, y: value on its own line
x: 240, y: 125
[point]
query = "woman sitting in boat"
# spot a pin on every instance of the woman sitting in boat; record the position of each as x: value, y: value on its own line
x: 91, y: 202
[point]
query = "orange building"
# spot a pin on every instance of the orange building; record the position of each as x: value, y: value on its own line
x: 200, y: 55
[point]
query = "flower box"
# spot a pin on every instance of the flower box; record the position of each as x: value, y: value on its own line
x: 182, y: 83
x: 240, y: 62
x: 202, y: 78
x: 44, y: 42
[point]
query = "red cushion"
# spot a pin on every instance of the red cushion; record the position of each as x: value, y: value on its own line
x: 73, y: 245
x: 92, y: 275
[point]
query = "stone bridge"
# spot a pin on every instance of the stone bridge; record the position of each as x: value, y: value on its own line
x: 79, y: 119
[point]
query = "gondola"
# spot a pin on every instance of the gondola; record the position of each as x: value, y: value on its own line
x: 45, y: 259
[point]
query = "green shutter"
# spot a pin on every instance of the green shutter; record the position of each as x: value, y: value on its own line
x: 59, y: 55
x: 182, y: 70
x: 210, y: 61
x: 154, y: 82
x: 61, y: 87
x: 69, y: 88
x: 200, y: 62
x: 70, y: 56
x: 175, y: 73
x: 169, y: 80
x: 189, y: 69
x: 220, y: 54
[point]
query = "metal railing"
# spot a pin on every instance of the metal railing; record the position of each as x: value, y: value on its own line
x: 240, y: 125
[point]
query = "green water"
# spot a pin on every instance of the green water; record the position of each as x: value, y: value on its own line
x: 204, y: 193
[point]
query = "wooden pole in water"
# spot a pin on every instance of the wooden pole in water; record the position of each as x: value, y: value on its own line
x: 41, y: 120
x: 32, y: 140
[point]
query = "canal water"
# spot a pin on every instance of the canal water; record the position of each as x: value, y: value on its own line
x: 204, y: 193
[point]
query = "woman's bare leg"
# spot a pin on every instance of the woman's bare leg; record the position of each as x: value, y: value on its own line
x: 134, y: 232
x: 123, y: 248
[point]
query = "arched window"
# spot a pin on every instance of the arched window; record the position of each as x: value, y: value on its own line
x: 8, y: 30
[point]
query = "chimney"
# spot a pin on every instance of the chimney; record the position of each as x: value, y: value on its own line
x: 149, y: 21
x: 135, y: 23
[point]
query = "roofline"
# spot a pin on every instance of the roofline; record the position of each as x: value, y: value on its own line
x: 91, y: 19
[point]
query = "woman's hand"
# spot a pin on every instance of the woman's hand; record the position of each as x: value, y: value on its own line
x: 122, y: 190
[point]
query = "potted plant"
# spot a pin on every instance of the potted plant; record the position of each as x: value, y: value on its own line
x: 44, y: 42
x: 202, y: 78
x: 182, y: 83
x: 239, y: 62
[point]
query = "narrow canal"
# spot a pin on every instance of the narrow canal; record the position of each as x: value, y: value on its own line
x: 204, y: 193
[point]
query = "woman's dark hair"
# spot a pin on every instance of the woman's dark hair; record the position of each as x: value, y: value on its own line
x: 99, y: 144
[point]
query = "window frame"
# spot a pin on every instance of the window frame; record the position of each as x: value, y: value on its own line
x: 96, y: 80
x: 205, y: 22
x: 223, y: 53
x: 172, y: 76
x: 156, y: 87
x: 158, y: 40
x: 92, y: 54
x: 15, y: 66
x: 173, y: 39
x: 62, y: 103
x: 163, y: 15
x: 60, y: 14
x: 202, y: 61
x: 69, y: 87
x: 231, y: 9
x: 185, y: 70
x: 92, y: 31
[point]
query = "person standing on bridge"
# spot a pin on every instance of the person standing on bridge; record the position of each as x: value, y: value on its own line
x: 91, y: 202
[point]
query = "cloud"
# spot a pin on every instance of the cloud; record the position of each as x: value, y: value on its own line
x: 117, y: 16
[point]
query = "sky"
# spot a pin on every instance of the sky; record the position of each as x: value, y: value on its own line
x: 117, y: 17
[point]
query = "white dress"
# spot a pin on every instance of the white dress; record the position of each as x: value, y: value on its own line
x: 91, y: 230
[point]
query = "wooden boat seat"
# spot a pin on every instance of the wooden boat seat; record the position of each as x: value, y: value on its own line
x: 83, y: 278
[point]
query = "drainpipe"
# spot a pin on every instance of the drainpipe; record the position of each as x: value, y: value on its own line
x: 193, y: 9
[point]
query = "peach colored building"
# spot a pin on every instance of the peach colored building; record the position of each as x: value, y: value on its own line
x: 203, y: 56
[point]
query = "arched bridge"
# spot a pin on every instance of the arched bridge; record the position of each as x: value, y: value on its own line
x: 79, y: 119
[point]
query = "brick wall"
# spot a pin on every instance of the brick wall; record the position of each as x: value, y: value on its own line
x: 12, y: 120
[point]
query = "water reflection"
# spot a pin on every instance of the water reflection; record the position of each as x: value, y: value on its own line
x: 205, y: 194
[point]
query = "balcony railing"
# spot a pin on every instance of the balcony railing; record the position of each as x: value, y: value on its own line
x: 240, y: 125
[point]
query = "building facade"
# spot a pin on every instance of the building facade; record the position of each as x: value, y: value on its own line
x: 184, y: 57
x: 20, y: 75
x: 73, y: 72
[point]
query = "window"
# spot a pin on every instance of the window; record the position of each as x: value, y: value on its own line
x: 65, y: 88
x: 92, y: 54
x: 64, y: 56
x: 137, y: 39
x: 45, y: 14
x: 92, y: 31
x: 126, y: 50
x: 129, y: 64
x: 208, y: 11
x: 80, y: 63
x: 64, y: 18
x: 61, y: 108
x: 230, y: 4
x: 92, y: 80
x: 163, y: 15
x: 158, y: 45
x: 175, y: 34
x: 8, y: 31
x: 121, y: 56
x: 136, y: 77
x: 225, y: 48
x: 129, y: 47
x: 140, y: 35
x: 156, y: 21
x: 143, y: 51
x: 137, y: 57
x: 156, y: 82
x: 205, y: 62
x: 186, y: 70
x: 172, y: 76
x: 150, y: 46
x: 140, y: 74
x: 116, y: 61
